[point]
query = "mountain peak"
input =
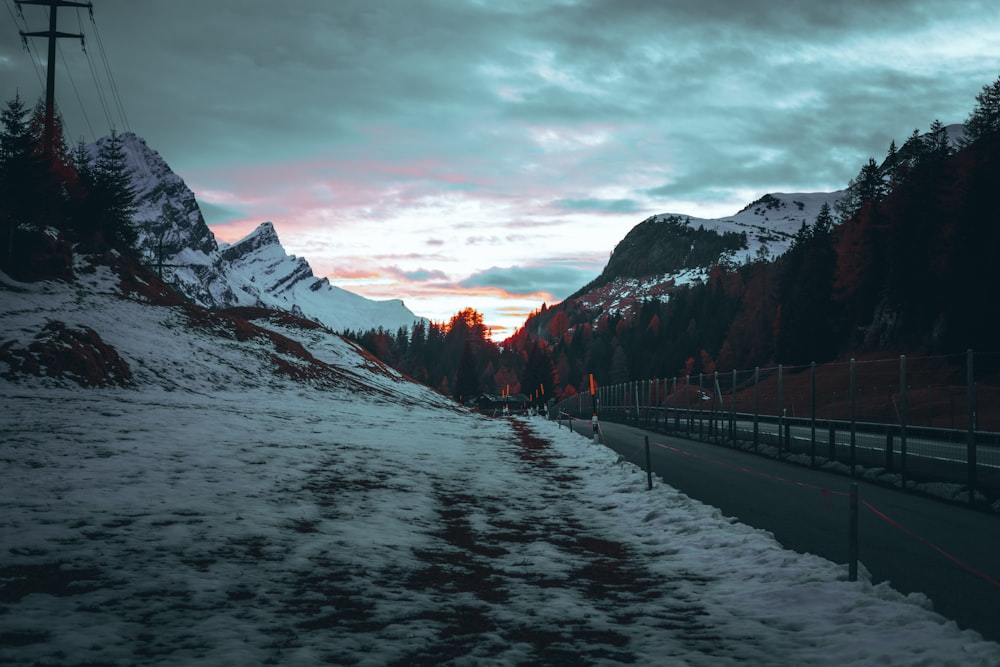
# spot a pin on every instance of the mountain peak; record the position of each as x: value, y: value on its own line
x: 265, y: 233
x: 261, y: 238
x: 254, y: 271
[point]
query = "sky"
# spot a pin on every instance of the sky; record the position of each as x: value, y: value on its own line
x: 466, y: 153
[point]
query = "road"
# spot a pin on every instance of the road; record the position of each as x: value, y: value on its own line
x: 808, y: 511
x: 917, y: 447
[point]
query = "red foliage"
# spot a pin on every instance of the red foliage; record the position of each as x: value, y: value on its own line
x: 559, y: 324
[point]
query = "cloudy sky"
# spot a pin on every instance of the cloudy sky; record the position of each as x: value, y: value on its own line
x: 491, y: 153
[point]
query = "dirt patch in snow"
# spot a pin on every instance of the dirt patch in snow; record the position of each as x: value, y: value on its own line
x: 77, y: 353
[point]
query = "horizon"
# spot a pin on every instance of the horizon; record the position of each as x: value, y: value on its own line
x: 494, y: 158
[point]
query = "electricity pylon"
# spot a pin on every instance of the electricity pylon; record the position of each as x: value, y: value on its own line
x: 53, y: 35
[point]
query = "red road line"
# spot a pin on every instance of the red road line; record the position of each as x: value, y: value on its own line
x: 750, y: 471
x: 895, y: 524
x: 825, y: 491
x: 872, y: 508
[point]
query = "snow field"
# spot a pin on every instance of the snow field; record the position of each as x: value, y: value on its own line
x: 219, y: 513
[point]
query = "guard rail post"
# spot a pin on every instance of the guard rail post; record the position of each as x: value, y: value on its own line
x: 781, y: 411
x: 970, y: 432
x: 852, y: 540
x: 903, y: 416
x: 788, y: 432
x: 687, y: 403
x: 649, y: 467
x: 701, y: 406
x: 732, y: 413
x: 716, y: 409
x: 756, y: 407
x: 888, y: 448
x: 854, y: 425
x: 677, y: 414
x: 812, y: 415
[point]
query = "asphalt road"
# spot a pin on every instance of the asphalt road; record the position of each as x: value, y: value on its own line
x: 808, y: 511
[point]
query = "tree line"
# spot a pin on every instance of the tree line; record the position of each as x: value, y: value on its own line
x: 459, y: 359
x: 903, y: 263
x: 88, y: 199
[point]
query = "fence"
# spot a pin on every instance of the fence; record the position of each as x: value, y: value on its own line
x: 923, y: 419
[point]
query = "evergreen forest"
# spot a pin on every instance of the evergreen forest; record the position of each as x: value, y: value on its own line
x: 903, y: 264
x: 53, y: 198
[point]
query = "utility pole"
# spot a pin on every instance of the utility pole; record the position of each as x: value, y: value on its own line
x: 53, y: 35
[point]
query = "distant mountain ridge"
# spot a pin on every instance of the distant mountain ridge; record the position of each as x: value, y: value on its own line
x: 670, y: 249
x: 174, y: 240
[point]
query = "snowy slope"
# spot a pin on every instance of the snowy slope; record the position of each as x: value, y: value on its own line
x: 772, y: 221
x: 262, y: 273
x: 769, y: 224
x: 256, y: 271
x: 268, y: 494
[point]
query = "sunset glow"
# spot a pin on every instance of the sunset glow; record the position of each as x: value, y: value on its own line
x: 491, y: 155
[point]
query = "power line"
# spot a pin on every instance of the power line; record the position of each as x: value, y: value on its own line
x: 24, y: 41
x: 107, y: 67
x: 76, y: 92
x: 114, y: 88
x: 97, y: 82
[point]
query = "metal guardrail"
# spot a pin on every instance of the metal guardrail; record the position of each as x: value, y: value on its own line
x: 698, y: 408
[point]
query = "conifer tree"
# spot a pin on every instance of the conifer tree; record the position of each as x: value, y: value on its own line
x: 19, y: 168
x: 985, y: 117
x: 112, y: 194
x: 58, y: 162
x: 805, y: 289
x: 892, y: 166
x: 913, y: 151
x: 15, y: 140
x: 936, y: 143
x: 82, y: 164
x: 824, y: 220
x: 867, y: 186
x: 466, y: 385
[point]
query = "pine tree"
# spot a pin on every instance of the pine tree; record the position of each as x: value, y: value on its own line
x: 466, y: 385
x: 824, y: 220
x: 113, y: 195
x: 805, y: 290
x: 82, y: 164
x: 936, y: 143
x: 985, y: 117
x: 15, y: 140
x: 19, y: 168
x: 59, y: 163
x: 867, y: 186
x: 32, y: 192
x: 891, y: 166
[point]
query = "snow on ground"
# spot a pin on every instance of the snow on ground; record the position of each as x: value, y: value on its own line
x: 201, y: 518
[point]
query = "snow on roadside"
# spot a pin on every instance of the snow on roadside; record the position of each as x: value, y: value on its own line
x: 293, y: 527
x: 217, y: 512
x: 798, y: 608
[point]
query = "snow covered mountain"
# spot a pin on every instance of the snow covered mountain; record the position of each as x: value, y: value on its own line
x: 256, y: 271
x: 671, y: 249
x: 262, y: 273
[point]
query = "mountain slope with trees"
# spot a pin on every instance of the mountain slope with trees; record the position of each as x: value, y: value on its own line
x: 118, y: 193
x: 898, y: 262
